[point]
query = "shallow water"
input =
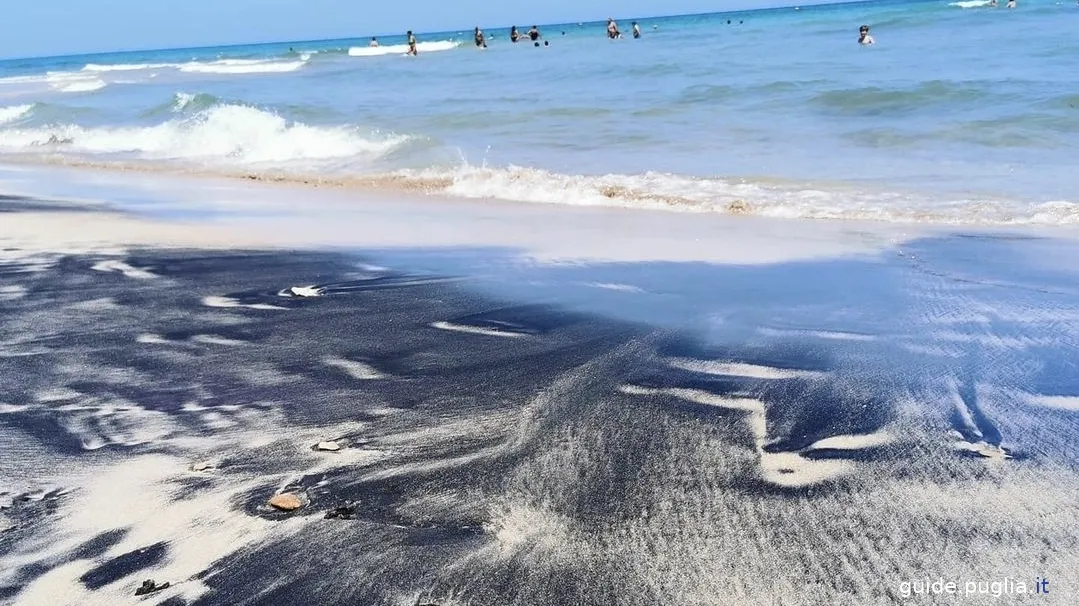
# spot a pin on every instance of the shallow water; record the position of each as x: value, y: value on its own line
x: 957, y: 115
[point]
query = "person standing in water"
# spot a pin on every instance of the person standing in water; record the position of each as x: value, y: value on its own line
x: 481, y: 40
x: 636, y: 30
x: 374, y: 43
x: 863, y: 36
x: 412, y: 45
x: 514, y: 36
x: 612, y: 29
x: 534, y: 33
x: 1011, y: 4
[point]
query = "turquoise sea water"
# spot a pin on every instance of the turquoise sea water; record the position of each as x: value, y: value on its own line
x: 960, y: 112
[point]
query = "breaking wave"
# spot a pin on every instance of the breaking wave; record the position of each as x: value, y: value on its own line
x: 236, y: 135
x: 13, y: 113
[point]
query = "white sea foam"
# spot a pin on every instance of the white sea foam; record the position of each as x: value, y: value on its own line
x: 792, y: 200
x: 970, y: 3
x: 13, y: 113
x: 234, y: 134
x: 242, y: 66
x: 74, y: 82
x: 400, y: 49
x: 124, y: 67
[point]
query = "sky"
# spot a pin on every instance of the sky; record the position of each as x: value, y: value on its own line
x: 38, y: 28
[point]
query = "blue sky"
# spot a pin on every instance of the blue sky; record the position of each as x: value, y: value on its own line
x: 55, y: 27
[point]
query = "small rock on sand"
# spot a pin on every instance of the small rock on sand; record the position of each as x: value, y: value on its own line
x: 202, y: 466
x: 286, y: 501
x: 148, y: 587
x: 344, y: 512
x: 329, y: 446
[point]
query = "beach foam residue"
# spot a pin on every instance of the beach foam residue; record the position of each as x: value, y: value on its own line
x: 400, y: 49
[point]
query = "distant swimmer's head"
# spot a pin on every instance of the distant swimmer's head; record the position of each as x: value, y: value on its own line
x: 546, y: 43
x: 537, y: 45
x: 863, y: 30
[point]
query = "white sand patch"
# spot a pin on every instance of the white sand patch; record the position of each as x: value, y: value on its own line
x: 125, y: 269
x: 1069, y: 403
x: 738, y: 369
x: 698, y: 396
x: 56, y: 394
x: 12, y: 292
x: 853, y: 441
x: 354, y: 369
x: 520, y: 529
x: 151, y: 339
x: 984, y: 449
x: 103, y: 304
x: 791, y: 470
x: 98, y: 422
x: 142, y: 496
x: 214, y: 301
x: 787, y: 469
x: 831, y: 335
x: 302, y: 291
x: 475, y: 330
x: 217, y: 340
x: 615, y: 286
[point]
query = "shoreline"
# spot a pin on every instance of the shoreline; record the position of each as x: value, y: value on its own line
x: 599, y: 191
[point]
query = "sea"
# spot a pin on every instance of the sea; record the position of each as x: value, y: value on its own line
x: 961, y: 113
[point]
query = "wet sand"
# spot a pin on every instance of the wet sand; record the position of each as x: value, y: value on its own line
x: 568, y: 421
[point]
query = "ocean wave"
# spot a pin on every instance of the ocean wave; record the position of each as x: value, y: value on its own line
x: 874, y: 100
x: 969, y: 3
x: 192, y: 102
x: 14, y: 112
x: 242, y: 66
x: 400, y: 49
x: 124, y: 67
x: 235, y: 135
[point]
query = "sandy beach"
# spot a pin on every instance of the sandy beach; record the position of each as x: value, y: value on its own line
x: 483, y: 402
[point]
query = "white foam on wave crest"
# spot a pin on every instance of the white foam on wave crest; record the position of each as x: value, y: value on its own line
x: 13, y: 113
x: 789, y: 200
x: 400, y: 49
x: 970, y: 3
x: 74, y: 82
x: 124, y: 67
x: 242, y: 66
x: 238, y: 135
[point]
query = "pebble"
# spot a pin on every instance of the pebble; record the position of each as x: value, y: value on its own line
x: 330, y: 446
x: 286, y: 501
x: 202, y: 466
x: 148, y: 586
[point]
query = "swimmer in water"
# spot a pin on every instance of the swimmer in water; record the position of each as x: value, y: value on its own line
x: 863, y: 36
x: 636, y: 30
x: 1010, y: 4
x: 374, y: 43
x: 534, y: 33
x: 612, y: 29
x: 481, y: 40
x: 412, y: 45
x: 993, y: 3
x: 514, y: 36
